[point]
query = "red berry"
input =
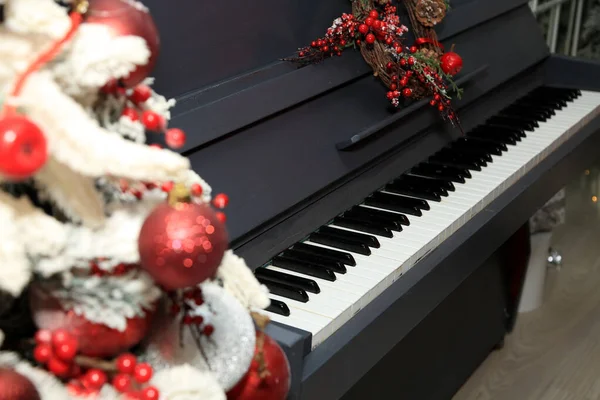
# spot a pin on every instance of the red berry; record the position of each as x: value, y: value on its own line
x: 374, y: 14
x: 59, y: 367
x: 390, y: 95
x: 140, y: 94
x: 94, y: 379
x: 388, y: 41
x: 167, y: 187
x: 67, y: 350
x: 196, y: 189
x: 42, y: 353
x: 377, y: 24
x: 441, y: 107
x: 175, y: 138
x: 389, y: 65
x: 60, y: 336
x: 403, y: 62
x: 393, y: 86
x: 130, y: 113
x: 126, y: 363
x: 221, y: 217
x: 188, y: 320
x: 143, y: 372
x: 43, y: 336
x: 325, y: 49
x: 411, y: 61
x: 208, y: 330
x: 407, y: 92
x: 433, y: 103
x: 198, y: 320
x: 152, y: 121
x: 110, y: 87
x: 221, y: 200
x: 370, y: 39
x: 369, y: 21
x: 413, y: 49
x: 313, y: 44
x: 122, y: 383
x: 150, y: 393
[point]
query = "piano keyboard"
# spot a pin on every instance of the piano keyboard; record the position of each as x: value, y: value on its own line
x: 319, y: 284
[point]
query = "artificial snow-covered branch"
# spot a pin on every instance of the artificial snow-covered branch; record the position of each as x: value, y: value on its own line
x: 45, y: 17
x: 78, y: 141
x: 240, y: 282
x: 186, y: 382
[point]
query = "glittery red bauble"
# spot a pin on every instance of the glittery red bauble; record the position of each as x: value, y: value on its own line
x: 275, y: 385
x: 94, y: 340
x: 14, y: 386
x: 23, y: 147
x: 451, y: 63
x: 182, y: 245
x: 127, y: 18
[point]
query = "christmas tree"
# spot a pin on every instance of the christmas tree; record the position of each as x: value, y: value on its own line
x: 590, y: 35
x: 115, y: 276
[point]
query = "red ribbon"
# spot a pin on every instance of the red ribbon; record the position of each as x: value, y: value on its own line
x: 422, y: 41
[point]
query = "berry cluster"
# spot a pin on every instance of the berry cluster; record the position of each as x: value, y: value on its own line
x: 119, y: 270
x: 385, y: 28
x: 57, y: 350
x: 192, y: 297
x: 131, y: 376
x: 135, y: 110
x: 339, y: 36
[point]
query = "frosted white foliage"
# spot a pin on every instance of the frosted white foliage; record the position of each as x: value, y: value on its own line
x: 108, y: 300
x: 240, y: 282
x: 185, y: 382
x: 80, y: 143
x: 15, y: 270
x: 160, y: 105
x: 36, y: 16
x: 86, y: 67
x: 16, y: 50
x: 73, y: 193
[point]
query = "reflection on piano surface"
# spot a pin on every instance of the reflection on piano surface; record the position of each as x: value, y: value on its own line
x: 381, y: 254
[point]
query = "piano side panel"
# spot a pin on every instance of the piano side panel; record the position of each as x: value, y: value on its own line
x: 399, y: 310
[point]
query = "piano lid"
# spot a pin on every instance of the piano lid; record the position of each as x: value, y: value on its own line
x: 265, y: 132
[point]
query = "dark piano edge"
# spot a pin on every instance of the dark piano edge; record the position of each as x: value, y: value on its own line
x: 266, y: 98
x: 367, y: 133
x: 341, y: 357
x: 583, y: 74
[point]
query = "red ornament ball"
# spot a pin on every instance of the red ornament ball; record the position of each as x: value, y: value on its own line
x: 451, y: 63
x: 257, y: 386
x: 14, y: 386
x: 23, y: 147
x: 94, y: 340
x: 370, y: 39
x: 182, y: 245
x: 125, y: 18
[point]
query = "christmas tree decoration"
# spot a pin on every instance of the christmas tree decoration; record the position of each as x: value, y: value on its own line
x: 182, y: 337
x: 182, y: 243
x: 123, y: 18
x: 590, y: 35
x: 269, y: 374
x: 410, y: 72
x: 14, y: 386
x: 109, y: 245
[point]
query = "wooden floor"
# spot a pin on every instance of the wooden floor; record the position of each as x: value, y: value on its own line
x: 554, y: 352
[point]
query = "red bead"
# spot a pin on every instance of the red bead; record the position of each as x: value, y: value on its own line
x: 167, y: 187
x: 152, y: 121
x: 23, y: 147
x: 150, y: 393
x: 122, y: 383
x: 43, y: 336
x: 407, y: 92
x: 140, y: 94
x: 370, y: 39
x: 363, y: 28
x: 196, y: 189
x: 221, y: 200
x: 143, y: 372
x: 130, y: 113
x: 369, y: 21
x: 208, y: 330
x: 126, y: 363
x: 94, y: 379
x: 42, y: 353
x: 175, y: 138
x: 221, y: 217
x: 414, y: 49
x: 59, y: 367
x: 374, y: 14
x: 66, y: 350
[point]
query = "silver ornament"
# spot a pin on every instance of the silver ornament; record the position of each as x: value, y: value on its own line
x: 227, y: 353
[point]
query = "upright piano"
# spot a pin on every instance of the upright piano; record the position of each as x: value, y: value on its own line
x: 376, y: 230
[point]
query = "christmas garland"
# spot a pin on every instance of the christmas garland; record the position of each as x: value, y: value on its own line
x: 414, y: 72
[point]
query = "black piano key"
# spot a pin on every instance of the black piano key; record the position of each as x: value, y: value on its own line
x: 395, y: 220
x: 360, y: 225
x: 334, y: 241
x: 419, y: 184
x: 279, y: 277
x: 461, y: 155
x: 304, y: 268
x: 516, y: 122
x: 334, y: 255
x: 525, y: 112
x: 540, y: 98
x: 335, y: 266
x: 427, y: 181
x: 393, y: 203
x: 470, y: 144
x: 547, y: 112
x: 278, y: 307
x: 446, y: 173
x: 425, y: 193
x: 516, y: 133
x: 368, y: 240
x: 495, y: 137
x: 287, y: 291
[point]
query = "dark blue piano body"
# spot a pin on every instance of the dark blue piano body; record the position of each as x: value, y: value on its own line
x: 272, y: 137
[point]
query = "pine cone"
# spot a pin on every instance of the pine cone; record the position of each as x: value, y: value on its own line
x: 430, y: 12
x: 383, y: 2
x: 429, y: 53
